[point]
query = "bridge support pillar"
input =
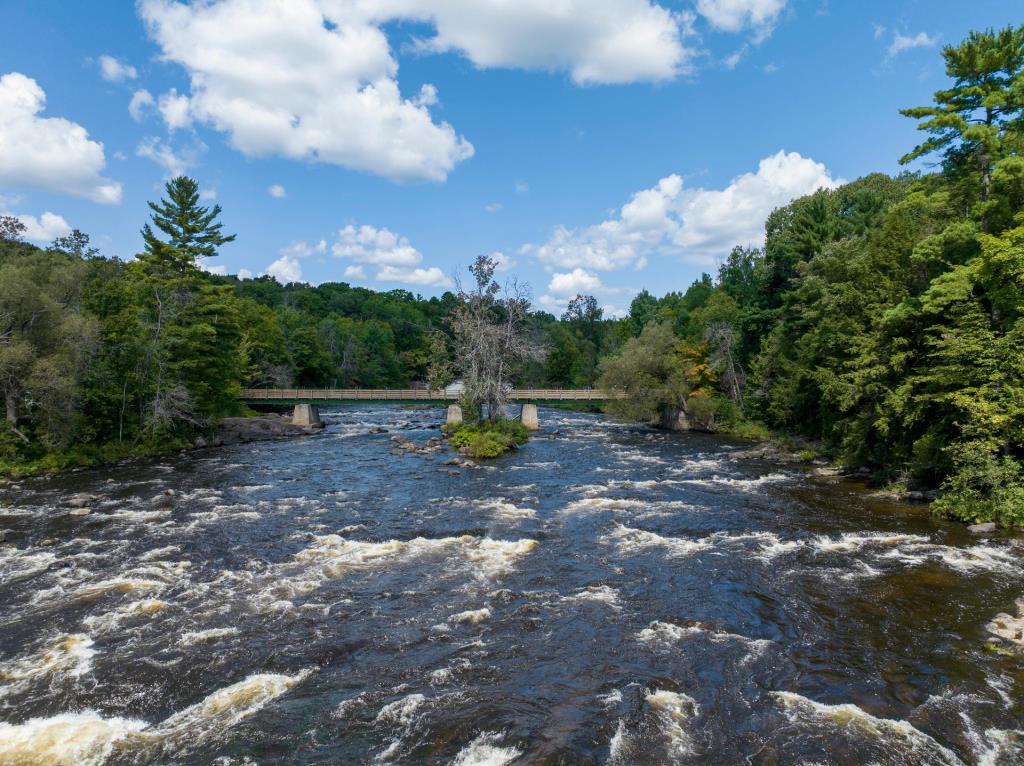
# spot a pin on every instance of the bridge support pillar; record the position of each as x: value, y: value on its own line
x: 306, y: 415
x: 528, y: 417
x: 454, y: 417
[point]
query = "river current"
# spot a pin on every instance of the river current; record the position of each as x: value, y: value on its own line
x: 606, y: 595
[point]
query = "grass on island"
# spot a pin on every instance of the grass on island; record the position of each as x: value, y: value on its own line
x: 486, y: 439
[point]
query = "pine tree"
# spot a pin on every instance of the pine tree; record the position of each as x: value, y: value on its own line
x: 978, y: 121
x: 191, y: 229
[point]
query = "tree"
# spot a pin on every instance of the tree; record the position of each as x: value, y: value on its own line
x: 11, y: 229
x: 439, y: 368
x: 977, y: 122
x: 488, y: 329
x: 659, y: 375
x: 190, y: 228
x: 44, y: 342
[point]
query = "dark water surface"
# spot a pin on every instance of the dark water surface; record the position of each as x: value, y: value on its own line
x: 605, y: 595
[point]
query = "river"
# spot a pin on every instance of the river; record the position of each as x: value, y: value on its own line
x: 606, y: 595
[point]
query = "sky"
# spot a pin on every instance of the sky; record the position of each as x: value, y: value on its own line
x: 591, y: 146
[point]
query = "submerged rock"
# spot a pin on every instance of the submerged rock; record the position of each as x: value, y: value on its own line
x: 982, y: 529
x: 82, y: 500
x: 1009, y: 628
x: 263, y: 428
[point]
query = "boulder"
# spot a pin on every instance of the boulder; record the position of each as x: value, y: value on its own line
x: 79, y: 512
x: 1009, y: 628
x: 82, y: 500
x: 982, y: 529
x: 682, y: 420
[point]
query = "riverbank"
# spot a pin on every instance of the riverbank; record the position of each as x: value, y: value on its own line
x: 230, y: 430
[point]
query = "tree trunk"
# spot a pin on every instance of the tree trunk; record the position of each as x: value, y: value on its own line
x: 13, y: 401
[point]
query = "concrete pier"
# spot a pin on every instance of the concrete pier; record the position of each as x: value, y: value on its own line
x: 306, y: 415
x: 528, y: 417
x: 454, y: 415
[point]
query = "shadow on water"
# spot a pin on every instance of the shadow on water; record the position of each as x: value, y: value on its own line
x: 607, y: 594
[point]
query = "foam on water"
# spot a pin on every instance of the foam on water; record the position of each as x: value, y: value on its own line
x: 674, y: 711
x: 63, y: 656
x: 631, y: 541
x: 506, y: 510
x: 88, y: 739
x: 472, y: 616
x: 600, y: 593
x: 108, y: 621
x: 485, y: 750
x: 207, y: 636
x: 893, y: 735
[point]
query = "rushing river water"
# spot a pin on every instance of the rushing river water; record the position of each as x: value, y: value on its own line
x: 607, y: 594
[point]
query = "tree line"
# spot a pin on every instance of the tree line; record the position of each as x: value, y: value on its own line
x: 882, y: 319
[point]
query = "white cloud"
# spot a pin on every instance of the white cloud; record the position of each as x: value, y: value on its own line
x: 432, y: 277
x: 244, y: 274
x: 317, y: 79
x: 285, y: 269
x: 277, y: 191
x: 113, y: 70
x: 395, y: 259
x: 302, y: 249
x: 698, y: 225
x: 901, y: 42
x: 614, y: 41
x: 45, y: 228
x: 573, y: 282
x: 280, y: 81
x: 207, y: 194
x: 175, y: 163
x: 220, y: 269
x: 355, y: 272
x: 522, y: 187
x: 381, y: 247
x: 492, y: 207
x: 48, y: 153
x: 175, y: 109
x: 738, y: 15
x: 142, y: 101
x: 505, y: 263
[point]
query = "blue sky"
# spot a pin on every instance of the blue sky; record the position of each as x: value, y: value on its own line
x: 601, y: 146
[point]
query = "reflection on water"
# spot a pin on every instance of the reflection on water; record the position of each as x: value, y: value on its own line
x: 608, y: 594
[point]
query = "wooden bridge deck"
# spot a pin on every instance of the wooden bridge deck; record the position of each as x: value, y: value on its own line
x: 417, y: 395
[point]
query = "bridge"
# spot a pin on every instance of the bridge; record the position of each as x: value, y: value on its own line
x: 416, y: 395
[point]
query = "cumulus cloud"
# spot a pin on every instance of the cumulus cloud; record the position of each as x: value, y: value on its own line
x: 48, y: 153
x: 142, y: 101
x: 174, y: 108
x: 739, y: 15
x: 277, y: 191
x: 220, y: 269
x: 698, y: 225
x: 45, y: 228
x: 574, y: 282
x: 285, y: 269
x: 174, y: 162
x: 244, y: 274
x: 113, y: 70
x: 612, y: 41
x: 432, y: 277
x: 394, y: 258
x: 303, y: 79
x: 302, y: 249
x: 355, y: 272
x: 317, y: 79
x: 901, y: 42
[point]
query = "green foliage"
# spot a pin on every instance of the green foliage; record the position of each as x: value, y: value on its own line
x: 191, y: 229
x: 489, y: 439
x: 984, y: 485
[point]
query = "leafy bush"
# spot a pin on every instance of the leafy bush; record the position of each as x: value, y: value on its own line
x: 487, y: 440
x: 984, y: 486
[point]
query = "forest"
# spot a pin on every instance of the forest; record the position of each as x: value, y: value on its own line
x: 882, y: 320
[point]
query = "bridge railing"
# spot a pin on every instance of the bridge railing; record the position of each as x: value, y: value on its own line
x: 414, y: 394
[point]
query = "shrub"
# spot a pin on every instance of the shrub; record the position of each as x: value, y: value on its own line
x: 984, y: 486
x: 487, y: 440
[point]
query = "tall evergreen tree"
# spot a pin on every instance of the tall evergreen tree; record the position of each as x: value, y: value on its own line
x: 978, y: 121
x: 192, y: 230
